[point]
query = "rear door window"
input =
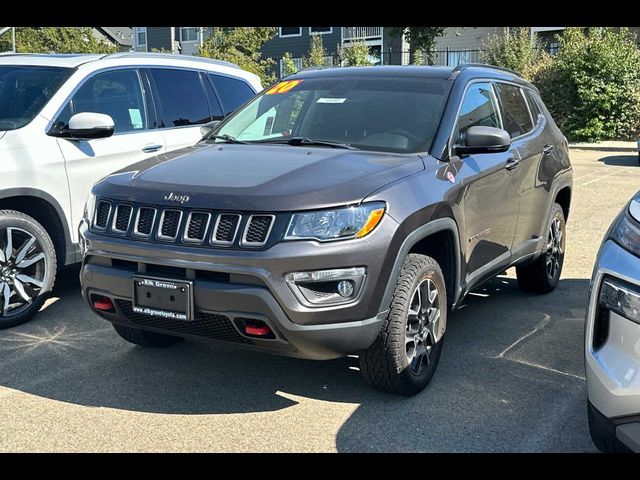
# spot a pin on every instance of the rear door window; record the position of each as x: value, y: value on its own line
x: 233, y: 92
x: 515, y: 113
x: 182, y: 97
x: 116, y: 93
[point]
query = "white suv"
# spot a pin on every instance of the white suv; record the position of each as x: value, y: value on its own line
x: 66, y: 121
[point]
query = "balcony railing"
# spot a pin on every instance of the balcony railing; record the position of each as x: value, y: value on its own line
x: 361, y: 33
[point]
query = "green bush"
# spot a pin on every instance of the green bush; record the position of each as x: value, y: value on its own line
x: 317, y: 53
x: 356, y: 55
x: 592, y: 86
x: 516, y: 50
x: 288, y: 65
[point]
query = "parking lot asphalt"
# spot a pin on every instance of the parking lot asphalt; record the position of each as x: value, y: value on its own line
x: 511, y: 376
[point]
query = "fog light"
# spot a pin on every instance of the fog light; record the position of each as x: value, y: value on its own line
x: 327, y: 287
x: 345, y: 288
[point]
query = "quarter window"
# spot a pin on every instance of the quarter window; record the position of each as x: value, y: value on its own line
x: 515, y: 114
x: 233, y: 92
x: 533, y: 106
x: 116, y: 93
x: 182, y: 98
x: 479, y: 108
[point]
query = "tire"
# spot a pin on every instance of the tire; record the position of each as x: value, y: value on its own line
x: 537, y: 276
x: 144, y: 337
x: 387, y: 363
x: 27, y: 271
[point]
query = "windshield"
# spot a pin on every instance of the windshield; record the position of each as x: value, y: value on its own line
x: 24, y: 90
x: 393, y: 114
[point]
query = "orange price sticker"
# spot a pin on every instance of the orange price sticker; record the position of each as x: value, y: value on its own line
x: 283, y: 87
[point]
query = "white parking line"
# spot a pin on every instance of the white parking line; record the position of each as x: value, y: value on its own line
x: 616, y: 172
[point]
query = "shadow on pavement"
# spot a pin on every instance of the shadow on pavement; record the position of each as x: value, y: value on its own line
x: 477, y: 401
x: 620, y: 160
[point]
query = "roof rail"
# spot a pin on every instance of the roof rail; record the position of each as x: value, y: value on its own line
x: 315, y: 67
x: 464, y: 66
x: 174, y: 56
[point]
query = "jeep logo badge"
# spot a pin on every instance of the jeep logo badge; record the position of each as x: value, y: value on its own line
x: 174, y: 197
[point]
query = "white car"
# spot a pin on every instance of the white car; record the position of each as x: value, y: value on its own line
x: 66, y: 121
x: 612, y: 336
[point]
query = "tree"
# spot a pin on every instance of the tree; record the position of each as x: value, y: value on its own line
x: 422, y: 38
x: 288, y: 65
x: 317, y: 54
x: 592, y: 85
x: 242, y: 45
x: 417, y: 58
x: 56, y: 40
x: 356, y: 55
x: 517, y: 49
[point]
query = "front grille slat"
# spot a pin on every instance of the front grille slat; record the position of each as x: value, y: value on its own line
x: 225, y: 229
x: 169, y: 224
x: 103, y: 210
x: 208, y: 325
x: 197, y: 225
x: 256, y: 233
x: 145, y: 219
x: 122, y: 218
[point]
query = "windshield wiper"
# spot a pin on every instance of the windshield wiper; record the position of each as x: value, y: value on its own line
x: 226, y: 138
x: 305, y: 141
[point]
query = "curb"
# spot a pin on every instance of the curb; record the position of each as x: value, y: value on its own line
x: 603, y: 148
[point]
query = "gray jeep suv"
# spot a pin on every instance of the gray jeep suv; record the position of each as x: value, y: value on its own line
x: 340, y: 211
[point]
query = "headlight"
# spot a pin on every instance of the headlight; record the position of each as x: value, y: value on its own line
x: 625, y: 231
x: 335, y: 224
x: 89, y: 207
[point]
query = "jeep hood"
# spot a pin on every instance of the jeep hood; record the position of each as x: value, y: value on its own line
x: 259, y: 177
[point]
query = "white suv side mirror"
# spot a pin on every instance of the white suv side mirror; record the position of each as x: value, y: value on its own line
x: 88, y: 125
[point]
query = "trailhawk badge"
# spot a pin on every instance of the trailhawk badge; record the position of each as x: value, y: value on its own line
x: 175, y: 197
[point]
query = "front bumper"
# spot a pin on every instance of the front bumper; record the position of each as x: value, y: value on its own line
x: 231, y: 285
x: 612, y: 349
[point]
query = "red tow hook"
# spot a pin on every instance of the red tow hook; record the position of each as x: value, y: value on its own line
x: 258, y: 330
x: 103, y: 303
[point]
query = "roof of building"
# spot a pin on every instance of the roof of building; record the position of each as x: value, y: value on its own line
x: 121, y: 35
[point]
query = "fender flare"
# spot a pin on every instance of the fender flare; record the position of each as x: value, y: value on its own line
x: 69, y: 253
x: 434, y: 226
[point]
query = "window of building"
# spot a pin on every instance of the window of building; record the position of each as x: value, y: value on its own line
x: 290, y: 31
x: 479, y: 108
x: 320, y: 30
x: 141, y: 38
x: 515, y: 113
x: 553, y: 47
x: 183, y: 100
x: 188, y: 34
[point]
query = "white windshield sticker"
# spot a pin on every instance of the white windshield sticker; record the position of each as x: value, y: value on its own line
x: 331, y: 100
x: 136, y: 118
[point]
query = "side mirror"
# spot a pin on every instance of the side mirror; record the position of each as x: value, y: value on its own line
x: 484, y: 140
x: 207, y: 127
x: 88, y: 125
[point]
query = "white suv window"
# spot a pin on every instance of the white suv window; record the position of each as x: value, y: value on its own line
x: 116, y: 93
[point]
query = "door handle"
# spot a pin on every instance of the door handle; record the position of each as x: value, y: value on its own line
x: 547, y: 149
x: 151, y: 147
x: 512, y: 164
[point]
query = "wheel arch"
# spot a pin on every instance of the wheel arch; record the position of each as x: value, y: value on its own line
x: 424, y: 240
x: 47, y: 211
